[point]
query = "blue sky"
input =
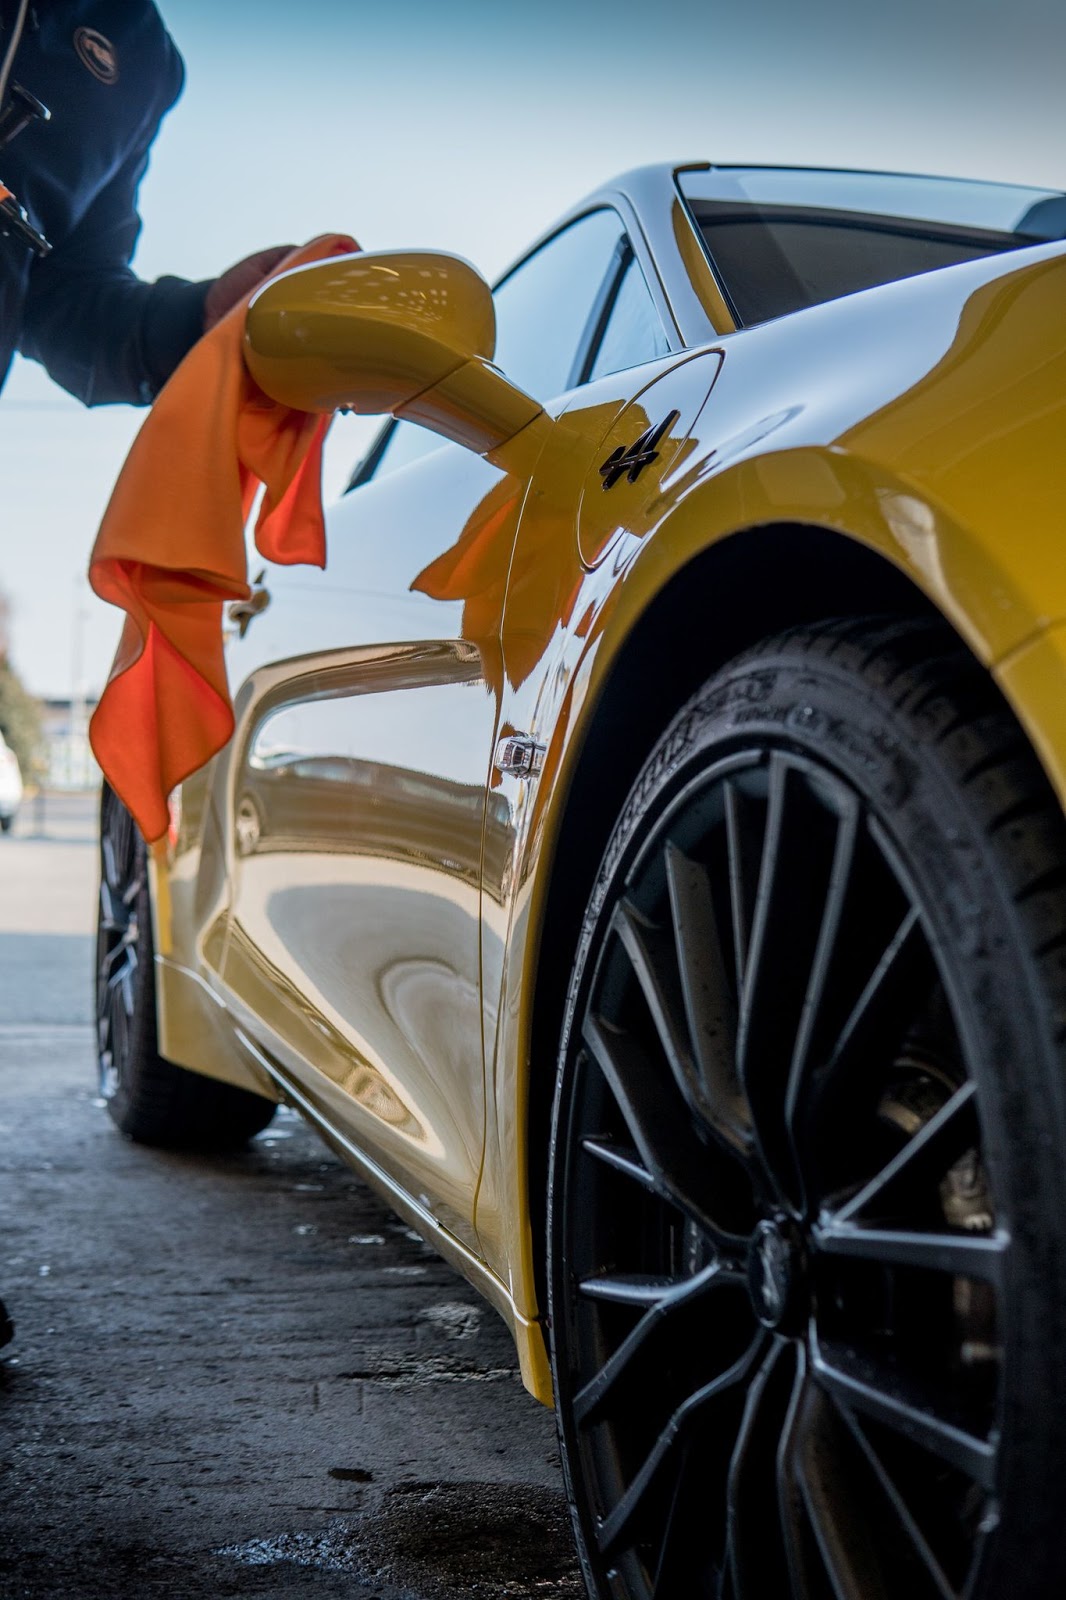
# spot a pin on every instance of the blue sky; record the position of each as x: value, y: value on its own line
x: 468, y: 125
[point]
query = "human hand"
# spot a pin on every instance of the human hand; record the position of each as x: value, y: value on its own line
x: 239, y: 280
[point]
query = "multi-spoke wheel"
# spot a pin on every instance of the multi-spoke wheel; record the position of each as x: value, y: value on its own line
x: 118, y: 955
x: 150, y: 1099
x: 806, y: 1238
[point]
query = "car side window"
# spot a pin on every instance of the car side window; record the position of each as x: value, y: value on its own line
x: 632, y: 332
x: 546, y: 312
x: 543, y: 308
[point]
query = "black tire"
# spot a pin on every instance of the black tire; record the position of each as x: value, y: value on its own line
x: 7, y: 823
x: 150, y: 1100
x: 806, y: 1271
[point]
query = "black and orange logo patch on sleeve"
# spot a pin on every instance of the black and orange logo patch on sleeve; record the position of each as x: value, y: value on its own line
x: 97, y: 53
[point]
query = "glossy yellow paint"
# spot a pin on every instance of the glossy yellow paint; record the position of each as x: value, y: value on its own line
x: 1033, y: 679
x: 936, y: 449
x: 188, y: 911
x: 368, y: 330
x: 409, y: 333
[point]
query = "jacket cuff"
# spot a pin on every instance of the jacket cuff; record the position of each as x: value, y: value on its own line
x: 173, y: 321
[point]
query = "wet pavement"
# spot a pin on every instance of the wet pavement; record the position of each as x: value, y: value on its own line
x: 232, y: 1376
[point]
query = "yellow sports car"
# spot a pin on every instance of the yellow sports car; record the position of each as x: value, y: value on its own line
x: 641, y: 854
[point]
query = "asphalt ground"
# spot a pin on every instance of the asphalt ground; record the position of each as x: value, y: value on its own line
x: 231, y: 1376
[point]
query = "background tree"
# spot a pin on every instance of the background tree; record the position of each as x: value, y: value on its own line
x: 20, y: 713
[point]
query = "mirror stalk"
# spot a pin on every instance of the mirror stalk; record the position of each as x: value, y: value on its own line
x: 475, y: 406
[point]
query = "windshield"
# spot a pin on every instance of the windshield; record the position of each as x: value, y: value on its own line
x: 784, y: 238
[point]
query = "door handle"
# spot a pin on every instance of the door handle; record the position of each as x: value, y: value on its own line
x: 243, y: 612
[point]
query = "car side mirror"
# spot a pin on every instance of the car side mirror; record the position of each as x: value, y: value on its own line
x: 408, y: 333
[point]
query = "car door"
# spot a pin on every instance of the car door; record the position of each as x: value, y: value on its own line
x: 366, y: 717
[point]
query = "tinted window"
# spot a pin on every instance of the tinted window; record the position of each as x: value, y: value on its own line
x: 633, y: 332
x: 543, y: 308
x: 782, y: 239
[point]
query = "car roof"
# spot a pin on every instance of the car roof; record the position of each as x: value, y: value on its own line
x: 667, y: 239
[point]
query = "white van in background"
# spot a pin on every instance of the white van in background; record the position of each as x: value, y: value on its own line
x: 10, y: 786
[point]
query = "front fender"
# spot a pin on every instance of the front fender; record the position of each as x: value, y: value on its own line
x: 987, y: 588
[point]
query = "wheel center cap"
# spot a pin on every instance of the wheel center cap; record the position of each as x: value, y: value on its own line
x: 775, y: 1272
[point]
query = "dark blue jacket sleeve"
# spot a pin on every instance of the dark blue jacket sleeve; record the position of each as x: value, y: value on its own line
x: 101, y: 332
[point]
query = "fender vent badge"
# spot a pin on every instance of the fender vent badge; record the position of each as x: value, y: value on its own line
x: 629, y: 461
x: 519, y: 755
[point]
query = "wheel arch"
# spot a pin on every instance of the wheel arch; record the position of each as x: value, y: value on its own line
x: 818, y: 574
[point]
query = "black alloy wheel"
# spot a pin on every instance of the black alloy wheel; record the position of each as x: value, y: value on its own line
x: 123, y: 868
x: 150, y: 1099
x: 805, y: 1239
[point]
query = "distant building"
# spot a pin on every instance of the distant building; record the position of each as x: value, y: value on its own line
x: 71, y: 763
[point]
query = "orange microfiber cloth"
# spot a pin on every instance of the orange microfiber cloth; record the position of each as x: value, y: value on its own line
x: 171, y: 552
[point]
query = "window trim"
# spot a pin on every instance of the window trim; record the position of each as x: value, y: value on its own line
x: 600, y: 315
x: 628, y: 258
x: 367, y: 464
